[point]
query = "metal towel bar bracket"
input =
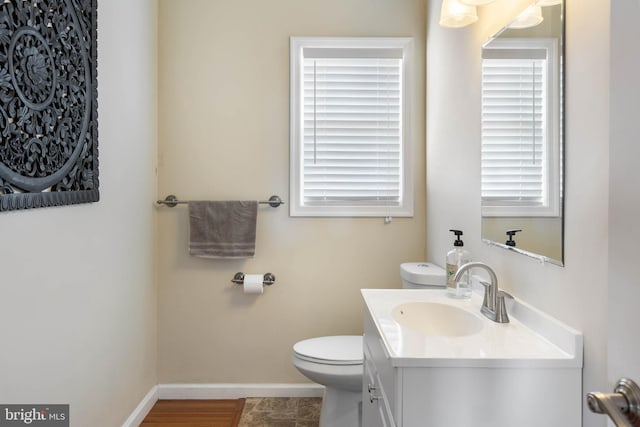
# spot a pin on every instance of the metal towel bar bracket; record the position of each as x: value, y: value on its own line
x: 269, y: 279
x: 171, y: 201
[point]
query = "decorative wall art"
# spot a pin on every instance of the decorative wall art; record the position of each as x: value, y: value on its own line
x: 48, y: 103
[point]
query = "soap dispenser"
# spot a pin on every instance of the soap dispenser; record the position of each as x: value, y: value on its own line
x: 456, y: 257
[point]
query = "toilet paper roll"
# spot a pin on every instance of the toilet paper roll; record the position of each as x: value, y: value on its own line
x: 253, y: 283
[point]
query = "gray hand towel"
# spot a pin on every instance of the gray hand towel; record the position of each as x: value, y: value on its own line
x: 225, y: 229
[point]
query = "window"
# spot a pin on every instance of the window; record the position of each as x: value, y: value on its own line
x: 520, y: 128
x: 350, y: 130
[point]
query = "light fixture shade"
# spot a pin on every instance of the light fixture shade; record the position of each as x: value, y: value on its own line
x: 455, y: 14
x: 482, y: 2
x: 548, y: 2
x: 531, y: 17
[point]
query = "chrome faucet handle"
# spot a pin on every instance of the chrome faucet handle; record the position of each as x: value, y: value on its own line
x: 487, y: 302
x: 504, y: 294
x: 501, y: 309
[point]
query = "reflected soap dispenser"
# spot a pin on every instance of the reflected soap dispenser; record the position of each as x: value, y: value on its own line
x: 456, y: 257
x: 511, y: 234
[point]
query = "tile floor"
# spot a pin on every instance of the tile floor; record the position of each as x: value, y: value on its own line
x: 281, y: 412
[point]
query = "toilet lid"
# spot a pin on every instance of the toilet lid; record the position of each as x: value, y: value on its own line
x: 334, y: 350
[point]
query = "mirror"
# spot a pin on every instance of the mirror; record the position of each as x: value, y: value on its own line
x: 522, y: 134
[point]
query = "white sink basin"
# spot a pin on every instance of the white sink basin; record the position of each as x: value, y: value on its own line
x: 436, y: 319
x: 426, y: 328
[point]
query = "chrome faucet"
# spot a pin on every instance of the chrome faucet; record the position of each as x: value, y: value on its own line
x: 493, y: 306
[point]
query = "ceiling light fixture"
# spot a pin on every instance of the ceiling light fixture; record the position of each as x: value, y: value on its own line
x: 456, y: 15
x: 531, y: 17
x: 480, y: 2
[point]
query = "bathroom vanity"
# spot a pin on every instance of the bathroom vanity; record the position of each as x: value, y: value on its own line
x: 434, y: 361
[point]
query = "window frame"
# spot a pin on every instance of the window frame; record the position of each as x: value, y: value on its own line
x: 551, y: 144
x: 297, y: 208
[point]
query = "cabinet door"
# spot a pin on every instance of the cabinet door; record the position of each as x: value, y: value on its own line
x: 388, y: 378
x: 375, y: 411
x: 371, y: 416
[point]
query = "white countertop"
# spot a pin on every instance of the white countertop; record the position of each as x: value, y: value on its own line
x: 532, y: 339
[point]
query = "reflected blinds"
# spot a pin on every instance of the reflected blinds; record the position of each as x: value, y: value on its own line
x: 514, y: 128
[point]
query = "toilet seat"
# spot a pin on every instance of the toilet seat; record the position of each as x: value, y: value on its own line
x: 333, y: 350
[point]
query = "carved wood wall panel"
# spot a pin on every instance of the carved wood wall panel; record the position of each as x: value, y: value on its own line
x: 48, y: 103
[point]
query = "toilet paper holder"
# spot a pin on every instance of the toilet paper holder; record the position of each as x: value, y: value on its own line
x: 269, y: 279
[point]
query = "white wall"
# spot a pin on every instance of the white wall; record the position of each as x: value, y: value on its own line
x: 78, y: 300
x: 576, y: 293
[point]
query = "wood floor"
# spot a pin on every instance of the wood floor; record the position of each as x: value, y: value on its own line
x: 195, y: 413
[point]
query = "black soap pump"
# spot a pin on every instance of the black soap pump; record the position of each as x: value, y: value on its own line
x: 456, y: 257
x: 511, y: 234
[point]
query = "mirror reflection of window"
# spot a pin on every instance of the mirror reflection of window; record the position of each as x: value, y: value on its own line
x: 520, y: 141
x: 522, y: 134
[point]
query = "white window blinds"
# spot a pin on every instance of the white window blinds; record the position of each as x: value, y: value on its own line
x: 517, y: 135
x: 352, y: 130
x: 351, y: 142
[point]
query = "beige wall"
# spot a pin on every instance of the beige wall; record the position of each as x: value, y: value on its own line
x: 541, y: 236
x: 576, y: 293
x: 224, y: 134
x: 78, y: 306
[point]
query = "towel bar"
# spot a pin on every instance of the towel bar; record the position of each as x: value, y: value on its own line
x: 171, y: 201
x: 269, y: 279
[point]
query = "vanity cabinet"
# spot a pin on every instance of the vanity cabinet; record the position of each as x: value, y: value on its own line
x: 375, y: 404
x: 446, y: 392
x: 381, y: 387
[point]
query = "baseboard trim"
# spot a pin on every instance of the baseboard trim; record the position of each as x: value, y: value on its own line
x: 141, y: 411
x: 237, y: 391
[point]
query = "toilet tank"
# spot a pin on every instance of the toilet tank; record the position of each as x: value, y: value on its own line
x: 422, y: 275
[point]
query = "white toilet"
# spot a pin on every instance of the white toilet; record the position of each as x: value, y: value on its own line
x: 336, y: 361
x: 422, y: 275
